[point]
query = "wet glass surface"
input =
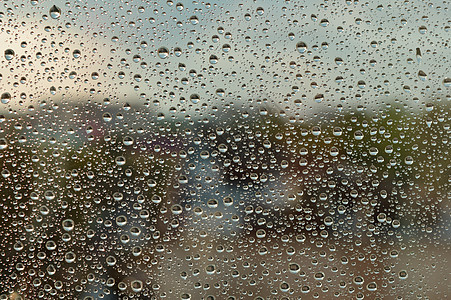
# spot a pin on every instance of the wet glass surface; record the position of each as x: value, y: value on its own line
x: 224, y: 149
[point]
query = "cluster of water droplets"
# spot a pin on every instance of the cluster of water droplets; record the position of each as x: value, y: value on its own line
x: 195, y: 150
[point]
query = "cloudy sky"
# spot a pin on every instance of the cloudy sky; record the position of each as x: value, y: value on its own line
x: 355, y: 54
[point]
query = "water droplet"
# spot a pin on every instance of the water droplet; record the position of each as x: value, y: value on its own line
x: 111, y: 261
x: 55, y: 12
x: 324, y: 23
x: 294, y: 268
x: 359, y: 280
x: 403, y: 274
x: 68, y: 225
x: 372, y: 286
x: 9, y: 54
x: 5, y: 98
x: 194, y: 20
x: 418, y: 55
x: 358, y: 135
x: 284, y: 287
x: 128, y: 141
x: 422, y: 75
x: 120, y: 160
x: 179, y: 6
x: 210, y: 269
x: 70, y: 257
x: 213, y: 59
x: 194, y: 98
x: 49, y: 195
x: 121, y: 220
x: 136, y: 286
x: 76, y: 53
x: 422, y: 29
x: 301, y: 47
x: 163, y: 52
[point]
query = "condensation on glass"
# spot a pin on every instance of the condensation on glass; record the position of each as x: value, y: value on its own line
x: 224, y: 149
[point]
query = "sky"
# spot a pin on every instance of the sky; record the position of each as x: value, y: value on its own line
x: 357, y: 53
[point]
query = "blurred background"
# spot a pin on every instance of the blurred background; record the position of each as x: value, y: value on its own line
x: 224, y: 150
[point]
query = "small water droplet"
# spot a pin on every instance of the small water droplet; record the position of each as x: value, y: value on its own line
x: 403, y: 274
x: 3, y: 144
x: 136, y: 285
x: 68, y: 225
x: 422, y: 75
x: 423, y: 29
x: 418, y: 54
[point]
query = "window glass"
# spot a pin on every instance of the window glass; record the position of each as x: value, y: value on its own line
x: 253, y: 149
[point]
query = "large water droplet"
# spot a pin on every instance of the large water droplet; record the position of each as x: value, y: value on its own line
x: 301, y: 47
x: 6, y: 97
x: 55, y: 12
x: 9, y: 54
x: 3, y: 144
x: 163, y: 52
